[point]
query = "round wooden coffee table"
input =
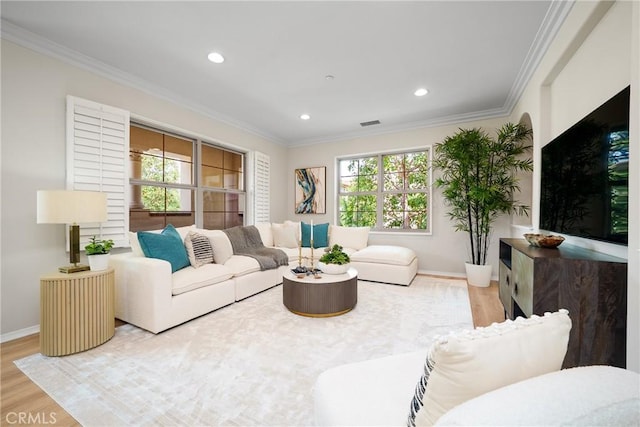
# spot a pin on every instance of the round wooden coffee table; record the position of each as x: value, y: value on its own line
x: 329, y: 295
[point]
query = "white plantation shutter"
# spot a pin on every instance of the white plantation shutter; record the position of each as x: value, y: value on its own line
x: 259, y: 183
x: 98, y: 160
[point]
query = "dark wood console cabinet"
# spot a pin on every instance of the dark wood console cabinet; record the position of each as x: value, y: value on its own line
x: 592, y: 286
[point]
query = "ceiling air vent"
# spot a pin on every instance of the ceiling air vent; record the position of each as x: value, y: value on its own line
x: 371, y: 123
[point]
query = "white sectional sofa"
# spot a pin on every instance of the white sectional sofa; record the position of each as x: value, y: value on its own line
x: 375, y: 263
x: 151, y: 296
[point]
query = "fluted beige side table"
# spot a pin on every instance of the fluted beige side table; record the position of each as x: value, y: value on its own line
x: 76, y: 311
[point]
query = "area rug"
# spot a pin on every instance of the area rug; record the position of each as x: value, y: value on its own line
x: 252, y: 363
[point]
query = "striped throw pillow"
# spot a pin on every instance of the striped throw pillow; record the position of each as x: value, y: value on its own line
x: 199, y: 249
x: 417, y: 401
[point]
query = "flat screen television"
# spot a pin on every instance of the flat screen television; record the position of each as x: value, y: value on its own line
x: 585, y: 176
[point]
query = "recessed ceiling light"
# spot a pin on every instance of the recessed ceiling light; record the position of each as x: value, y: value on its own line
x: 216, y: 57
x: 421, y: 92
x: 305, y: 116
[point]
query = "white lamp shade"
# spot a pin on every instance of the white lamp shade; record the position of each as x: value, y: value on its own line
x: 68, y: 207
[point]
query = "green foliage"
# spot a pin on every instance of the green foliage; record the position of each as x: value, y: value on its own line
x: 160, y: 199
x: 617, y: 175
x: 335, y: 256
x: 98, y: 247
x: 404, y: 202
x: 479, y: 178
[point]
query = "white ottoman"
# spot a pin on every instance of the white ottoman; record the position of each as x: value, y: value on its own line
x: 384, y: 263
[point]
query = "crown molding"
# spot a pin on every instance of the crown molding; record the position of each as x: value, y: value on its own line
x: 32, y: 41
x: 437, y: 121
x: 556, y: 14
x: 553, y: 20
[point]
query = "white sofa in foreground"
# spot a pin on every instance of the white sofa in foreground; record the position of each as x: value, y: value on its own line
x: 588, y: 396
x: 152, y: 296
x: 507, y: 374
x: 582, y: 396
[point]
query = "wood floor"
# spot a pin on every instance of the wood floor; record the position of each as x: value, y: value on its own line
x: 24, y: 403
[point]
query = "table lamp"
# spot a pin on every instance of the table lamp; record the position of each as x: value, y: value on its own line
x: 72, y: 207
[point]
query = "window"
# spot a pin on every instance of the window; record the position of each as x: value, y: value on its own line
x: 165, y: 185
x: 223, y: 185
x: 390, y: 191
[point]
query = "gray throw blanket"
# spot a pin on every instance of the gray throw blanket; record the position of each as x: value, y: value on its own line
x: 246, y: 241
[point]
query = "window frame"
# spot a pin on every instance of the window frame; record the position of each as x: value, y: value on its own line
x: 196, y: 185
x: 380, y: 193
x: 202, y: 189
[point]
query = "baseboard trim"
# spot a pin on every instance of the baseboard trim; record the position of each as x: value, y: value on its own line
x: 442, y: 273
x: 494, y: 277
x: 10, y: 336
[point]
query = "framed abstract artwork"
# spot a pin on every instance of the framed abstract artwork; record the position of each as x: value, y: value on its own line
x: 310, y: 190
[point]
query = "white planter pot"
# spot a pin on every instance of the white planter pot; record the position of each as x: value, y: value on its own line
x: 333, y: 268
x: 98, y: 262
x: 478, y: 275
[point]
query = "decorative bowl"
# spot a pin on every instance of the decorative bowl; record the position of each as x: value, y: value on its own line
x: 333, y: 268
x: 543, y: 241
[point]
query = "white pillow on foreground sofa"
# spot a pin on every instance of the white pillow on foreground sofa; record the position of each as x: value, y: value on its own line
x: 466, y: 364
x: 463, y: 365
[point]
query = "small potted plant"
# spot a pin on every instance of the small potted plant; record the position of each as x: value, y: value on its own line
x: 334, y: 261
x: 98, y: 253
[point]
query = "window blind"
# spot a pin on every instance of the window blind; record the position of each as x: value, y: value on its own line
x: 261, y: 185
x: 97, y: 160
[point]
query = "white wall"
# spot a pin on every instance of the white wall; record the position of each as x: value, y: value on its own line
x: 592, y: 58
x: 34, y: 87
x: 442, y: 252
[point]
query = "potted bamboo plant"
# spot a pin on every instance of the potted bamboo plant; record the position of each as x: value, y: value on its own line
x: 98, y: 253
x: 478, y: 181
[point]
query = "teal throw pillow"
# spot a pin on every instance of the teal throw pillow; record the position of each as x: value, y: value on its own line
x: 166, y: 245
x: 320, y: 235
